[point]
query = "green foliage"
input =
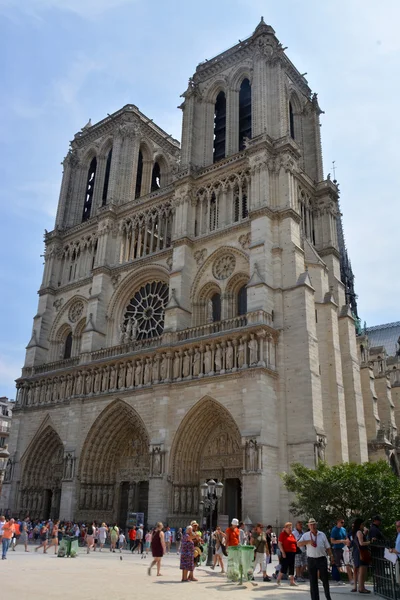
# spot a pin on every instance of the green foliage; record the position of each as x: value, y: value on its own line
x: 347, y: 490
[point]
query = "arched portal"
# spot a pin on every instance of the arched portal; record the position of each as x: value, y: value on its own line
x: 114, y: 466
x: 207, y: 445
x: 40, y: 491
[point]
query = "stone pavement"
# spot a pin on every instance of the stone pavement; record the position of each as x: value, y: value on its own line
x: 104, y: 575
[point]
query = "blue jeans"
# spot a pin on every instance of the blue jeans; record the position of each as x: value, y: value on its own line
x: 5, y: 545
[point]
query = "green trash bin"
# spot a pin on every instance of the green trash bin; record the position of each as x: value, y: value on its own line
x: 247, y: 561
x: 63, y: 548
x: 68, y: 547
x: 234, y: 565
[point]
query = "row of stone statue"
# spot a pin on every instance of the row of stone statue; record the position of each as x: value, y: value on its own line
x: 217, y: 358
x: 186, y: 499
x: 34, y: 501
x: 96, y: 497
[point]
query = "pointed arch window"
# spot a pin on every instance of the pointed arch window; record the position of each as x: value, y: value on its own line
x: 68, y: 346
x: 156, y: 178
x: 213, y: 212
x: 219, y: 127
x: 242, y: 301
x: 244, y: 112
x: 87, y: 207
x: 291, y: 121
x: 216, y: 307
x: 107, y: 178
x: 139, y: 175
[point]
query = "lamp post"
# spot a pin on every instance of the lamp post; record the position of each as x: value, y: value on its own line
x: 210, y: 492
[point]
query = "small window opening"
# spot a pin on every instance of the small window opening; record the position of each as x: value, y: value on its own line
x: 87, y: 207
x: 242, y: 301
x: 68, y: 346
x: 219, y: 127
x: 213, y: 213
x: 244, y: 112
x: 139, y: 174
x: 291, y: 121
x: 156, y: 178
x: 236, y: 204
x: 107, y: 178
x: 245, y: 211
x: 216, y: 307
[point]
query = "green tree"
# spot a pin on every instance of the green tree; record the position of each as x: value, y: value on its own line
x: 347, y: 490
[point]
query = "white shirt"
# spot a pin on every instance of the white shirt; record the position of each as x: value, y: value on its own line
x: 298, y: 535
x: 322, y: 544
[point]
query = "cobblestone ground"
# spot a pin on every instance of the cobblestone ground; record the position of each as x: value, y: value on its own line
x: 34, y: 576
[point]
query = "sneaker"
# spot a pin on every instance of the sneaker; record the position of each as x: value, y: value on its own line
x: 340, y: 582
x: 266, y: 578
x: 300, y: 580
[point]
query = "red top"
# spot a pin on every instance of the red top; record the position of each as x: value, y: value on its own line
x: 232, y: 536
x: 132, y: 534
x: 288, y: 541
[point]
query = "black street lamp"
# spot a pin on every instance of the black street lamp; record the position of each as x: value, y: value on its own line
x: 211, y: 492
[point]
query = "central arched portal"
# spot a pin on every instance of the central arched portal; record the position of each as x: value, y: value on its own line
x: 114, y: 466
x: 207, y: 446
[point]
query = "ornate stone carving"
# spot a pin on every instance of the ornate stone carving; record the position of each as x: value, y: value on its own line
x: 244, y: 240
x: 224, y: 266
x: 200, y: 255
x: 320, y: 446
x: 76, y: 311
x: 69, y: 466
x: 58, y: 303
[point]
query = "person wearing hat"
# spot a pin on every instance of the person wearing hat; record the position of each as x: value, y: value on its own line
x: 233, y: 534
x: 375, y: 533
x: 317, y: 547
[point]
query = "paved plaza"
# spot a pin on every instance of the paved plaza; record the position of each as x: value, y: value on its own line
x: 104, y: 575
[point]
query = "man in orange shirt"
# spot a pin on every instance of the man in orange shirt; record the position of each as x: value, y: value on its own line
x: 232, y: 534
x: 132, y: 539
x: 8, y: 530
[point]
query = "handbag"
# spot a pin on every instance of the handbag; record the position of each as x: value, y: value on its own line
x: 365, y: 555
x: 223, y: 548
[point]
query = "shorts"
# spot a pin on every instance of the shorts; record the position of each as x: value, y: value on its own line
x: 24, y: 537
x: 300, y: 560
x: 338, y: 556
x: 219, y: 551
x: 261, y: 559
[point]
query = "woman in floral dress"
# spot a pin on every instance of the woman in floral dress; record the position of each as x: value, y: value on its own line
x: 187, y: 555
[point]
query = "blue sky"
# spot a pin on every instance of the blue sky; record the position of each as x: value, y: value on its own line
x: 64, y: 61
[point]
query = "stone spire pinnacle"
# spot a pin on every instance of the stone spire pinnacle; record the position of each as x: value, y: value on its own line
x: 346, y: 271
x: 262, y: 27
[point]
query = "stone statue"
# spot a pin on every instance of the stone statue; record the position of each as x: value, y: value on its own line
x: 189, y: 499
x: 78, y: 384
x: 155, y: 369
x: 123, y: 336
x: 131, y: 329
x: 113, y: 378
x: 88, y: 380
x: 97, y: 381
x: 138, y: 373
x: 176, y: 367
x: 253, y: 349
x: 207, y: 360
x: 196, y: 363
x: 251, y: 455
x: 68, y: 389
x: 320, y: 446
x: 241, y: 358
x: 186, y: 364
x: 121, y: 377
x: 218, y: 358
x: 147, y: 371
x: 8, y: 471
x: 176, y: 499
x: 229, y: 356
x: 36, y: 398
x: 104, y: 381
x: 129, y: 375
x: 62, y: 387
x: 163, y: 367
x: 156, y: 461
x: 29, y: 396
x: 68, y: 466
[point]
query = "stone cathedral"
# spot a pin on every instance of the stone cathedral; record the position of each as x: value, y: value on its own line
x: 196, y: 317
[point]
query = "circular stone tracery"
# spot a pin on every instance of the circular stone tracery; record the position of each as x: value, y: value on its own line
x: 224, y: 266
x: 75, y: 311
x: 147, y: 308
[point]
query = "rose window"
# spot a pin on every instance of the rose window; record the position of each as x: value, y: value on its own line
x: 224, y: 266
x: 145, y: 312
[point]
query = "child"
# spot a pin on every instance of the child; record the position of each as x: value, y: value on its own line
x: 148, y: 541
x: 121, y: 541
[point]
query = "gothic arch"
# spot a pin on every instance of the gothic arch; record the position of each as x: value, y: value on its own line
x: 205, y: 271
x: 88, y: 155
x: 217, y: 86
x: 62, y: 323
x: 105, y: 147
x: 117, y: 433
x: 42, y: 472
x: 209, y: 419
x: 146, y: 149
x: 241, y: 73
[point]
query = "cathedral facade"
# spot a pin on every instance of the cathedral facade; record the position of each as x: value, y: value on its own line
x: 193, y: 322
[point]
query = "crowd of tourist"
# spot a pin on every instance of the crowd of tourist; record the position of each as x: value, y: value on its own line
x: 299, y: 553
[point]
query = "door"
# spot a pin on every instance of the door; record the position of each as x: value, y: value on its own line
x: 143, y: 504
x: 123, y: 504
x: 233, y: 498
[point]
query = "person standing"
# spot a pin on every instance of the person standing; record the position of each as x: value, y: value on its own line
x: 139, y: 540
x: 359, y: 556
x: 44, y: 538
x: 132, y: 539
x: 338, y: 541
x: 54, y: 536
x: 24, y: 533
x: 375, y: 533
x: 232, y: 534
x: 187, y: 555
x: 7, y: 533
x: 274, y: 541
x: 168, y: 536
x: 102, y: 535
x: 288, y: 546
x: 219, y: 539
x: 242, y: 534
x: 121, y: 541
x: 114, y: 533
x: 157, y: 548
x: 300, y: 561
x: 90, y: 533
x: 259, y: 541
x: 317, y: 547
x: 178, y: 540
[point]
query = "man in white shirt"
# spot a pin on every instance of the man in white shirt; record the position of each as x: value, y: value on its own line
x: 317, y: 547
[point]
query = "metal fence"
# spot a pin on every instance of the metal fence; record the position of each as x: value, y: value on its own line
x: 384, y: 573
